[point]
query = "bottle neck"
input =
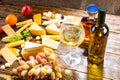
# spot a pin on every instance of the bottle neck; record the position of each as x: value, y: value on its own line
x: 101, y: 18
x: 100, y: 25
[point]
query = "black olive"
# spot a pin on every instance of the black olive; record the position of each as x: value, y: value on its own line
x: 62, y: 17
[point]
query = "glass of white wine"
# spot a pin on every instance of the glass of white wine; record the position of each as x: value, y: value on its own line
x: 71, y: 36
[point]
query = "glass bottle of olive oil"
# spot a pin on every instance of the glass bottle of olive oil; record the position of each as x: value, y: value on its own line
x: 95, y: 72
x: 98, y: 38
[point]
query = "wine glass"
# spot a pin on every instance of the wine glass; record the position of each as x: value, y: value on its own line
x: 71, y: 36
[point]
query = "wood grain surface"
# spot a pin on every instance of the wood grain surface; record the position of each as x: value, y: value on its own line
x: 111, y: 65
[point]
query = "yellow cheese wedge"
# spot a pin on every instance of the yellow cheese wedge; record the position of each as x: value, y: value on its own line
x: 15, y: 51
x: 35, y: 29
x: 52, y: 29
x: 14, y: 44
x: 8, y: 30
x: 30, y: 49
x: 50, y: 43
x: 54, y: 37
x: 8, y: 55
x: 37, y: 18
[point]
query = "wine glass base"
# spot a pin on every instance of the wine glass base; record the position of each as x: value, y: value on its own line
x: 72, y: 59
x: 69, y: 57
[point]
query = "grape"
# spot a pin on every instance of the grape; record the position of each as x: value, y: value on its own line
x: 43, y: 71
x: 48, y: 51
x: 57, y: 79
x: 58, y: 74
x: 37, y: 77
x: 26, y: 66
x: 44, y: 66
x: 38, y: 58
x: 24, y: 72
x: 49, y: 64
x: 41, y: 54
x: 36, y: 62
x: 52, y: 57
x: 31, y: 63
x: 44, y: 61
x: 14, y: 71
x: 37, y: 71
x: 21, y: 62
x: 59, y: 68
x: 31, y: 58
x: 20, y: 68
x: 52, y: 75
x: 49, y: 70
x: 31, y: 72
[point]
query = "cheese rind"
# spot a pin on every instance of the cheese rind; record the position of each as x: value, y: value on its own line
x: 52, y: 29
x: 35, y: 29
x: 50, y: 43
x: 30, y: 49
x: 9, y: 56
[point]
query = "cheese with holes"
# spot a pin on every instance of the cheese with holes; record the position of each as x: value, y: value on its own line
x: 35, y: 29
x: 50, y: 43
x: 52, y: 29
x: 54, y: 37
x: 37, y: 18
x: 30, y: 49
x: 8, y: 55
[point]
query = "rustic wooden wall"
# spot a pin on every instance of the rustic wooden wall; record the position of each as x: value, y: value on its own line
x: 113, y: 6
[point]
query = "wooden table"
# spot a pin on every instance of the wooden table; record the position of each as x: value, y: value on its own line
x: 110, y: 70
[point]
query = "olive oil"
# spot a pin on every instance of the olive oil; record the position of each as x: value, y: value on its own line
x: 95, y: 72
x: 98, y: 38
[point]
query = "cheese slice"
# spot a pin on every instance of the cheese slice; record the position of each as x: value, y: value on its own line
x: 20, y: 24
x: 31, y: 45
x: 52, y: 29
x: 8, y: 55
x: 35, y: 29
x: 50, y: 43
x: 30, y: 49
x: 72, y: 20
x: 15, y: 51
x: 14, y: 44
x: 54, y: 37
x: 37, y: 18
x: 8, y: 30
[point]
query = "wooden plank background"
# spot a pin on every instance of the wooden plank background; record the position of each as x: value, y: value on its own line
x: 113, y: 6
x: 112, y: 55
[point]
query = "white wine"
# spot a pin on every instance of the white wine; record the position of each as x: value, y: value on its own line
x: 98, y: 38
x: 72, y: 35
